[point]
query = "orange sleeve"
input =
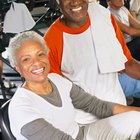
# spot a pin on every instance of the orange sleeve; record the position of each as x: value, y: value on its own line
x: 121, y: 39
x: 53, y: 38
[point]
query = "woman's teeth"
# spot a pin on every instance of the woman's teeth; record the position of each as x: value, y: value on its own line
x: 38, y: 71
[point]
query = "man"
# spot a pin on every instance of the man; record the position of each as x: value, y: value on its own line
x: 87, y: 52
x: 128, y: 25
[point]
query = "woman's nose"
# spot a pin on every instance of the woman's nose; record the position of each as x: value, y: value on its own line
x: 36, y: 60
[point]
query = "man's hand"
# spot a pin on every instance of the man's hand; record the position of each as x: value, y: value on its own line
x: 132, y: 68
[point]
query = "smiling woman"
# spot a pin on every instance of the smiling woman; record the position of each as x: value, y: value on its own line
x: 31, y: 59
x: 46, y: 101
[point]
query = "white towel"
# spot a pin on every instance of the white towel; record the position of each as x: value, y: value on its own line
x: 18, y: 19
x: 109, y: 52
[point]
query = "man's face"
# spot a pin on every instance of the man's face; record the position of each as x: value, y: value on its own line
x: 116, y: 4
x: 74, y: 11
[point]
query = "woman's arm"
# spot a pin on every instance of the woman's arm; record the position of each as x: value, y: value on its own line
x: 84, y: 101
x: 121, y: 109
x: 100, y: 108
x: 40, y: 129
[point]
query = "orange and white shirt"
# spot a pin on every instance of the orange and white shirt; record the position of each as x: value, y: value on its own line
x: 73, y: 55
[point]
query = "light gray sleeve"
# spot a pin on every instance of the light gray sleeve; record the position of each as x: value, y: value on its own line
x: 91, y: 104
x: 40, y: 129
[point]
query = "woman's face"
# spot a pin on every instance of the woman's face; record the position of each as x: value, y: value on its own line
x: 74, y: 11
x: 32, y: 62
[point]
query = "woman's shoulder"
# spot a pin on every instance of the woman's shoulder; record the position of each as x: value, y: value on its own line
x: 56, y: 78
x: 21, y: 96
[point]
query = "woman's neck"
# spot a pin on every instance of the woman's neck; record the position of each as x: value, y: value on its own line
x: 39, y: 88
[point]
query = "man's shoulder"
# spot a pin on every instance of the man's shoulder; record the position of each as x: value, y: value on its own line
x: 53, y: 30
x: 54, y: 26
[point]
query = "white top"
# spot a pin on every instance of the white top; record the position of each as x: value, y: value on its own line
x: 35, y: 107
x: 123, y: 16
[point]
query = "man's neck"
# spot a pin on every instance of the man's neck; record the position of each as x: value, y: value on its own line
x: 72, y: 24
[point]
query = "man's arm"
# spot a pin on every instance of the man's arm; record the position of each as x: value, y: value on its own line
x: 132, y: 67
x: 134, y: 22
x: 131, y: 30
x: 120, y: 38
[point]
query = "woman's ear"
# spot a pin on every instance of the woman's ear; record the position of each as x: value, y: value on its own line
x: 17, y: 69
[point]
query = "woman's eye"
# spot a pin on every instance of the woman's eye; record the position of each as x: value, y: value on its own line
x: 25, y: 60
x: 41, y: 54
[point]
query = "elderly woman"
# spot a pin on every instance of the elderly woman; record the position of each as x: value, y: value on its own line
x: 43, y: 108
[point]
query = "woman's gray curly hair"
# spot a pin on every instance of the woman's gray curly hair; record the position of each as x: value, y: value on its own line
x: 17, y: 41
